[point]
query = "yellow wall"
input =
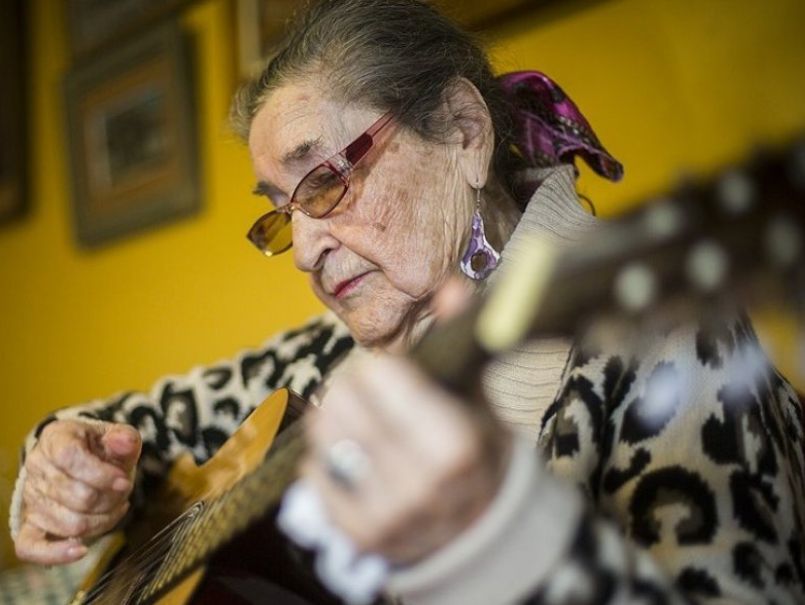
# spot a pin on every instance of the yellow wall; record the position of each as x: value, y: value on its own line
x: 667, y: 83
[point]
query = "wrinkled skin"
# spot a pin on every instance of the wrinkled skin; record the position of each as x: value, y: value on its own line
x: 405, y: 220
x: 79, y: 479
x: 433, y: 467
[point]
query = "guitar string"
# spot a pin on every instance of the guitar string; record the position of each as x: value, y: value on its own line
x: 250, y: 490
x: 258, y: 490
x: 133, y: 563
x: 136, y: 557
x: 128, y: 587
x: 134, y: 560
x: 136, y: 563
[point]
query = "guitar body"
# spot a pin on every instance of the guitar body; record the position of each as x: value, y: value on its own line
x: 250, y: 569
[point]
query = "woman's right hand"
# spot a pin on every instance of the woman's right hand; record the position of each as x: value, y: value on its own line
x: 79, y: 479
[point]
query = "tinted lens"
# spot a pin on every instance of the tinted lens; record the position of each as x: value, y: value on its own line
x: 319, y: 192
x: 272, y: 233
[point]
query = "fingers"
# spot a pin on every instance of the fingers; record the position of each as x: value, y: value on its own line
x: 121, y: 446
x: 452, y: 298
x: 68, y: 447
x: 434, y: 424
x: 47, y: 481
x: 33, y: 545
x: 58, y: 520
x: 77, y: 486
x: 408, y: 425
x: 429, y: 472
x: 345, y: 413
x: 366, y: 529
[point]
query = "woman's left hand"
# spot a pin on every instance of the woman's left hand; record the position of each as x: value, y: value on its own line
x: 402, y: 466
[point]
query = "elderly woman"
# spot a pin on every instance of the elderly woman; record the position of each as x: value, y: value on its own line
x: 395, y: 163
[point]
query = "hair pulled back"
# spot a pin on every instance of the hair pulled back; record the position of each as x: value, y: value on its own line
x: 394, y: 55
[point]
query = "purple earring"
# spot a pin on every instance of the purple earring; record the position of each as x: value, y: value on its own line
x: 480, y: 258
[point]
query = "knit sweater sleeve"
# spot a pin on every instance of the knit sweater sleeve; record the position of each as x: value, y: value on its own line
x: 676, y: 476
x: 196, y: 412
x: 692, y: 448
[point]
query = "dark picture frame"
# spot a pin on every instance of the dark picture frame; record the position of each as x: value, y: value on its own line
x: 95, y: 24
x: 261, y: 23
x: 483, y: 14
x: 132, y: 136
x: 13, y: 115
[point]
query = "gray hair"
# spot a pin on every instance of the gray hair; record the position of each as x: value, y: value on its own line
x: 392, y: 55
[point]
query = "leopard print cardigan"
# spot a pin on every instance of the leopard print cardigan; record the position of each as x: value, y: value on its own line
x: 688, y: 452
x: 688, y: 447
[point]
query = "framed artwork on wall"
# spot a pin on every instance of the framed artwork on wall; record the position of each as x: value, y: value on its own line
x: 132, y: 136
x: 13, y: 135
x: 261, y: 25
x: 95, y: 23
x: 481, y: 14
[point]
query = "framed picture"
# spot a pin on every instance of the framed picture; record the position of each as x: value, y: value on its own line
x: 481, y: 14
x: 261, y: 25
x: 95, y: 23
x: 13, y: 135
x: 131, y: 123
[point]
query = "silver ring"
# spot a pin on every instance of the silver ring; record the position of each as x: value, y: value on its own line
x: 347, y: 463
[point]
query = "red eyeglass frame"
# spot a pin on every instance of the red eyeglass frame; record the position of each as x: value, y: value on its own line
x: 341, y: 164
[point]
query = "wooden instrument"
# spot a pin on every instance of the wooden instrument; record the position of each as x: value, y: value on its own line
x: 741, y: 231
x: 198, y: 511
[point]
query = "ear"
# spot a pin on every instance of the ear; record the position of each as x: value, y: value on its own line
x: 472, y: 134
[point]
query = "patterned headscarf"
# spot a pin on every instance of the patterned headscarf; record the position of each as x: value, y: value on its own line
x: 550, y: 129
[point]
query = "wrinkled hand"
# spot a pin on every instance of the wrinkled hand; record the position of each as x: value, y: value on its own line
x: 79, y: 479
x: 433, y: 467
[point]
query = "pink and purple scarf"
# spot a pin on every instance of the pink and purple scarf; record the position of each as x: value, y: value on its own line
x: 550, y: 129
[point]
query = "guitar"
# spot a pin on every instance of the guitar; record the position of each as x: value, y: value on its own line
x: 740, y: 233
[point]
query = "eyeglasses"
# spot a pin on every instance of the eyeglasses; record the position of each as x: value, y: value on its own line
x: 316, y: 195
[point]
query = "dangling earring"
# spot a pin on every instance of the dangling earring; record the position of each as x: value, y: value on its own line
x: 481, y: 258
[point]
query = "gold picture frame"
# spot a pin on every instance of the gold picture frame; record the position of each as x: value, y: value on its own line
x: 132, y: 130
